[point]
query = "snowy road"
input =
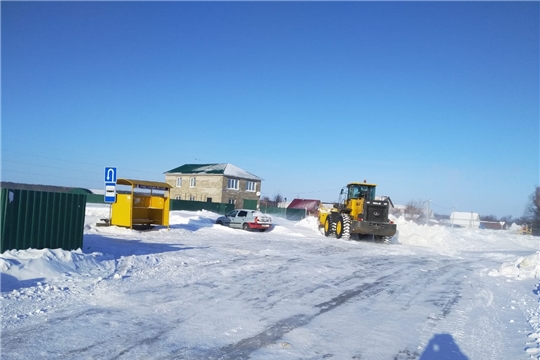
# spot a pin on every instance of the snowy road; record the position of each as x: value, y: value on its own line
x: 200, y: 291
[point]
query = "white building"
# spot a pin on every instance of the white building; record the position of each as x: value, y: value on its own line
x: 470, y: 220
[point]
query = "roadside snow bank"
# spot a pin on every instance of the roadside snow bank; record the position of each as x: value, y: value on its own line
x: 452, y: 241
x: 526, y: 267
x: 31, y: 266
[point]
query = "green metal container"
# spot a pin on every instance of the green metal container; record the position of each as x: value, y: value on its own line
x: 39, y: 219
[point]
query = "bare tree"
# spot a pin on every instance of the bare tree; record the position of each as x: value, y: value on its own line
x: 395, y: 211
x: 488, y: 218
x: 532, y: 211
x: 278, y: 198
x: 414, y: 210
x: 266, y: 201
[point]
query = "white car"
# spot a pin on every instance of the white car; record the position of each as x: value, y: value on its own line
x: 246, y: 219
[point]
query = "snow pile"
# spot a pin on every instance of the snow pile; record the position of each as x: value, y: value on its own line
x: 525, y: 267
x: 32, y: 263
x: 28, y: 264
x: 309, y: 222
x: 202, y: 290
x: 453, y: 241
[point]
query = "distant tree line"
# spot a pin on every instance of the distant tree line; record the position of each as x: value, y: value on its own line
x: 532, y: 212
x: 415, y: 210
x: 531, y: 216
x: 276, y: 199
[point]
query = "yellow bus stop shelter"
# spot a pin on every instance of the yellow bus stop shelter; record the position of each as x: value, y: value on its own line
x: 145, y: 205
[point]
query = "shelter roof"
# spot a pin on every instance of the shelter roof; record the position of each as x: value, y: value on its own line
x: 144, y: 184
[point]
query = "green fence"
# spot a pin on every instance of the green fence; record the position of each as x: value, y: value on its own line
x: 200, y: 205
x: 95, y: 198
x: 271, y: 210
x: 289, y: 214
x: 39, y: 219
x: 295, y: 214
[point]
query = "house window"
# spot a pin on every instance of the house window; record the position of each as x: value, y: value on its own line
x: 178, y: 197
x: 251, y: 186
x: 192, y: 198
x: 232, y: 184
x: 178, y: 182
x: 232, y: 201
x: 192, y: 182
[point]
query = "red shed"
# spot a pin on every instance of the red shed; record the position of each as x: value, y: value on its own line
x: 311, y: 206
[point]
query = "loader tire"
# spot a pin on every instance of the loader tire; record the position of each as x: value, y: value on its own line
x: 339, y: 227
x: 335, y: 218
x: 346, y: 233
x: 328, y: 226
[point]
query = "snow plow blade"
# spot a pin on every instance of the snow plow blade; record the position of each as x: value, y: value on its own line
x: 373, y: 228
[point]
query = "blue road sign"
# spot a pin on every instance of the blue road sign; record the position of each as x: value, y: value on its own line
x: 110, y: 192
x: 110, y: 174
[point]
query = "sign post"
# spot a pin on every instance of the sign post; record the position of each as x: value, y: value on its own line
x: 110, y: 175
x: 110, y: 192
x: 110, y: 184
x: 110, y: 187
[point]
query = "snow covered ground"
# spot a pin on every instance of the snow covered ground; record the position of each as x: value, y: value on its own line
x: 202, y: 291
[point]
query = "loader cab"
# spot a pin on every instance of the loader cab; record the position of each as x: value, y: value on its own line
x: 361, y: 191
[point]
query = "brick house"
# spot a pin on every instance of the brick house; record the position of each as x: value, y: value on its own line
x: 218, y: 183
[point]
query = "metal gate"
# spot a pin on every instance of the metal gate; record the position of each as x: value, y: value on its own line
x: 250, y: 204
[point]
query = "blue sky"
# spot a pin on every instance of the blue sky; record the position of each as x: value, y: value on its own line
x: 430, y: 100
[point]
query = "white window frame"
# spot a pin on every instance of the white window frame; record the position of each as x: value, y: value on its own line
x: 251, y: 186
x: 192, y: 198
x: 234, y: 183
x: 192, y: 182
x: 178, y: 182
x: 232, y: 201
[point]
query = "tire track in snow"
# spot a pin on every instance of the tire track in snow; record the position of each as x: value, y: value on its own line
x: 245, y: 347
x: 445, y: 303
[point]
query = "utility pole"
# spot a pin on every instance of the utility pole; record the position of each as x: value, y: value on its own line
x: 427, y: 214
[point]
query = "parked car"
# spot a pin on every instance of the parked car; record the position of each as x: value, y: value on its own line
x: 246, y: 219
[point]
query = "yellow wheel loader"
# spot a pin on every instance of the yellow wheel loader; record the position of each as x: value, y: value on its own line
x: 357, y: 214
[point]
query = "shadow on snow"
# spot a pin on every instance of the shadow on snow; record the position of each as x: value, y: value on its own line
x: 10, y: 283
x: 442, y: 347
x: 118, y: 248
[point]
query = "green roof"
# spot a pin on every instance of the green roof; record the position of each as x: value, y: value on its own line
x: 211, y: 169
x: 199, y: 169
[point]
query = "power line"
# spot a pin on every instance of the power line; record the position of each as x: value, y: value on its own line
x: 442, y: 207
x: 45, y: 166
x: 68, y: 161
x: 49, y: 157
x: 45, y: 175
